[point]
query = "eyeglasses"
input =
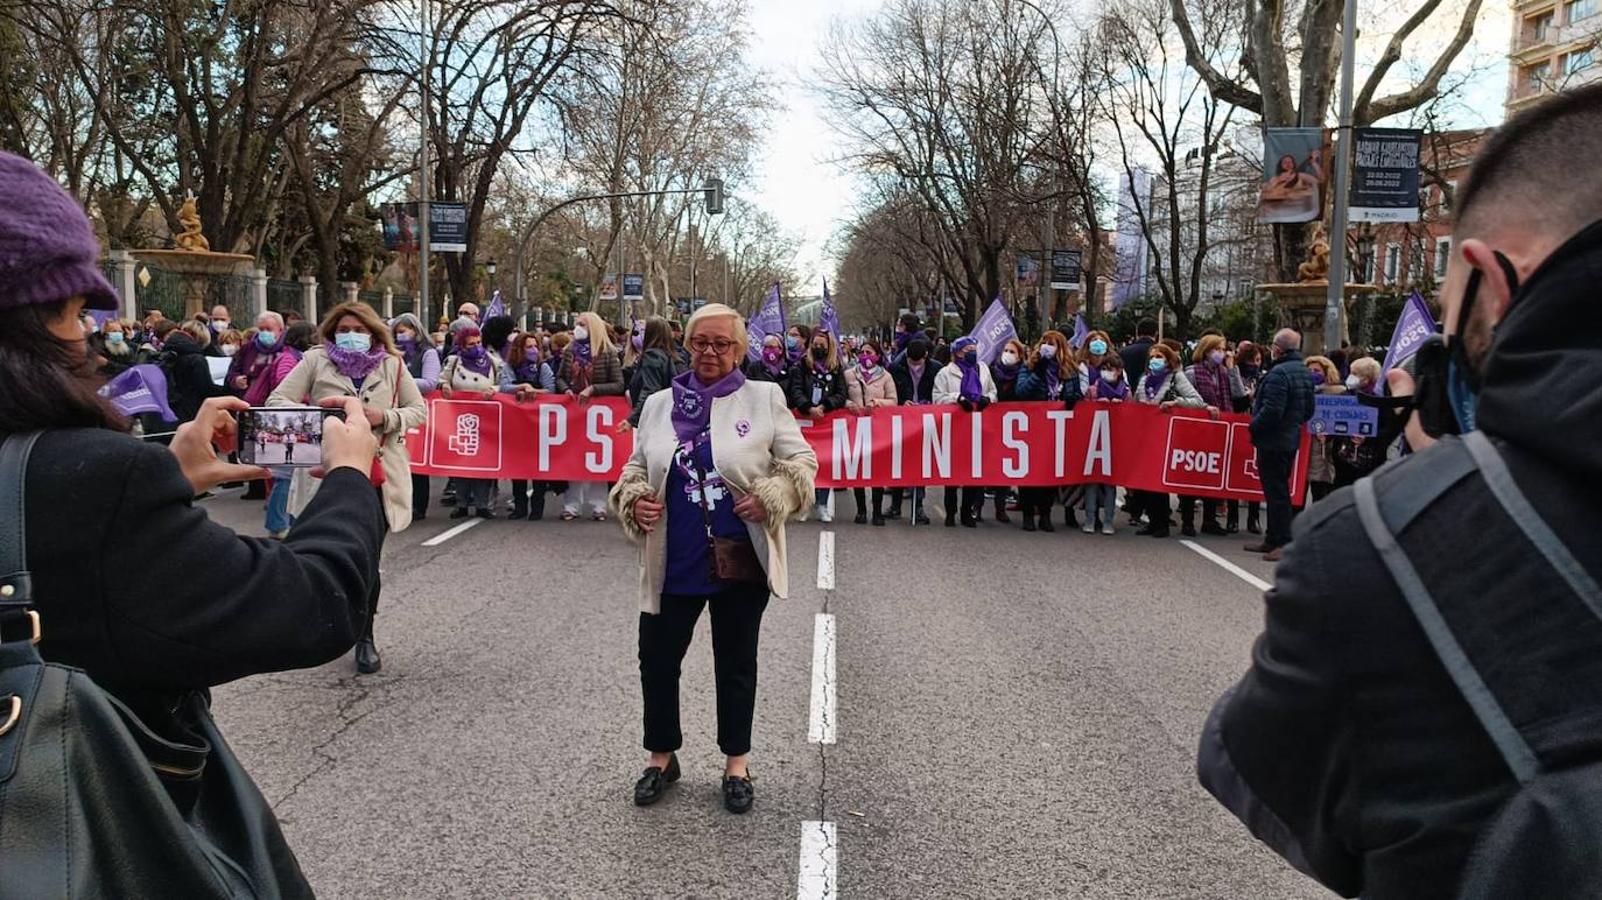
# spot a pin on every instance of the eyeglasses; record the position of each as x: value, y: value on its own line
x: 719, y: 346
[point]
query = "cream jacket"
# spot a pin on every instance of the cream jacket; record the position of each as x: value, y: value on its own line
x: 948, y: 383
x: 757, y: 448
x: 314, y: 378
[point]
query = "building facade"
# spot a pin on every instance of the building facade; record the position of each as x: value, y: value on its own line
x: 1557, y: 44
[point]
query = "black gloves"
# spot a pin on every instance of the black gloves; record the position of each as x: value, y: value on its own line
x: 982, y: 402
x: 965, y: 403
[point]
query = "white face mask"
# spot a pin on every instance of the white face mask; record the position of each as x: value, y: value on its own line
x: 581, y: 333
x: 1009, y: 358
x: 1048, y: 351
x: 1111, y: 376
x: 229, y: 349
x: 1353, y: 382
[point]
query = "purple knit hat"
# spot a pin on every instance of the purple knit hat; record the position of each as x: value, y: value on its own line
x: 48, y: 250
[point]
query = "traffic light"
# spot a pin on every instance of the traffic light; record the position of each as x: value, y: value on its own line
x: 713, y: 192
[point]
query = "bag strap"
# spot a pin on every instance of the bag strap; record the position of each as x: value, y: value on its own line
x: 1520, y: 759
x: 15, y: 585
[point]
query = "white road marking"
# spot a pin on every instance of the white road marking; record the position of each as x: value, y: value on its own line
x: 820, y: 727
x: 825, y: 560
x: 815, y: 876
x: 444, y: 536
x: 1228, y: 566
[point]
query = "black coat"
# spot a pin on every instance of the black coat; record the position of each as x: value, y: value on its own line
x: 802, y: 379
x: 188, y: 376
x: 654, y: 372
x: 1284, y: 404
x: 138, y: 587
x: 1134, y: 355
x: 1346, y: 747
x: 923, y: 391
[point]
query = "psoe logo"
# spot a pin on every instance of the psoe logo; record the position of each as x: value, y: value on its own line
x: 466, y: 439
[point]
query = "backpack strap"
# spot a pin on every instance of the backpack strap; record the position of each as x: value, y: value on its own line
x: 1518, y: 508
x: 1515, y: 751
x: 15, y: 586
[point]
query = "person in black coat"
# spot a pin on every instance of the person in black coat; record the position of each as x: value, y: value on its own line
x: 772, y: 365
x: 1138, y: 350
x: 657, y: 366
x: 915, y: 378
x: 1346, y: 747
x: 183, y: 361
x: 132, y: 583
x: 817, y: 388
x: 1284, y: 404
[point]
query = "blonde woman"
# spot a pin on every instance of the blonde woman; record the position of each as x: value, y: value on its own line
x: 719, y: 465
x: 1321, y: 458
x: 590, y: 367
x: 358, y: 359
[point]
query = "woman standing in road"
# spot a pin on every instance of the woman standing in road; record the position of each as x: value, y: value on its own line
x: 475, y: 371
x: 870, y: 385
x: 719, y: 465
x: 589, y: 367
x: 656, y: 365
x: 527, y: 376
x: 966, y: 382
x: 1052, y: 377
x: 817, y: 388
x: 357, y: 359
x: 1164, y: 386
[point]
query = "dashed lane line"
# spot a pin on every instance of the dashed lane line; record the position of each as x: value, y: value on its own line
x: 815, y: 878
x: 820, y: 727
x: 826, y: 560
x: 444, y: 536
x: 1228, y: 566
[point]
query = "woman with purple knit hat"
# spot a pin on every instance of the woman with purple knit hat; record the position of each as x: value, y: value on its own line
x: 966, y: 382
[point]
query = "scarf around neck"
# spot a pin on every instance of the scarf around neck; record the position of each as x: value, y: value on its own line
x: 1154, y: 387
x: 692, y: 401
x: 973, y: 388
x: 528, y: 371
x: 1106, y: 390
x: 478, y: 362
x: 355, y: 364
x: 582, y: 353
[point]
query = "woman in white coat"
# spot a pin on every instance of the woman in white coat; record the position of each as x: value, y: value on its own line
x: 358, y: 358
x: 966, y: 382
x: 719, y: 465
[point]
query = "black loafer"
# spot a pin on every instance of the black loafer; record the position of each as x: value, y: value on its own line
x: 737, y: 794
x: 653, y: 784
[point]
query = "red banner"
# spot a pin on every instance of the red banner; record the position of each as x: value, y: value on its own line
x: 1137, y: 446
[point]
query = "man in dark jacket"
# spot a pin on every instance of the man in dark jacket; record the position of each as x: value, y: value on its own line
x: 1136, y: 351
x: 1284, y: 404
x: 1347, y: 747
x: 189, y: 383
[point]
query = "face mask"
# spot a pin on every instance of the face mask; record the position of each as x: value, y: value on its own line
x: 772, y: 354
x: 581, y: 333
x: 1111, y: 376
x: 867, y: 360
x: 406, y: 342
x: 1217, y: 357
x: 1317, y: 376
x: 791, y: 342
x: 820, y: 353
x: 1048, y: 351
x: 473, y: 354
x: 219, y: 325
x: 230, y: 349
x: 917, y: 354
x: 266, y: 339
x: 114, y: 337
x: 1098, y: 347
x: 353, y: 340
x: 1009, y: 358
x: 1353, y: 382
x: 1157, y: 364
x: 1446, y: 378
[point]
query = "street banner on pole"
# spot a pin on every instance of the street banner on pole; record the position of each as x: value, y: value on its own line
x: 447, y: 226
x: 556, y: 438
x: 400, y: 226
x: 1293, y: 176
x: 1129, y: 244
x: 633, y: 286
x: 1081, y: 331
x: 829, y: 318
x: 1385, y: 174
x: 140, y: 389
x: 768, y: 320
x: 1065, y: 268
x: 1413, y: 327
x: 608, y: 287
x: 1028, y: 270
x: 993, y: 330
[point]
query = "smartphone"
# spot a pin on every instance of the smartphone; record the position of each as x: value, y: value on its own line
x: 283, y: 435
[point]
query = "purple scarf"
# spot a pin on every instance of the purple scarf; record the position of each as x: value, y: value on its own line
x: 355, y: 364
x: 773, y: 359
x: 1053, y: 379
x: 476, y: 360
x: 1212, y: 383
x: 973, y: 387
x: 1106, y: 390
x: 692, y: 402
x: 581, y: 353
x: 1153, y: 388
x: 528, y: 371
x: 1004, y: 373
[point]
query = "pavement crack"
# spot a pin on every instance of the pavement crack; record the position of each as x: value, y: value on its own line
x: 361, y: 689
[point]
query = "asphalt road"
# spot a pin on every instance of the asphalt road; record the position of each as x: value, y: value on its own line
x: 1017, y: 716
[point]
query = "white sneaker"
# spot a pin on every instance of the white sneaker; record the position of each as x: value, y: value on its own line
x: 823, y: 513
x: 1108, y: 529
x: 1089, y: 528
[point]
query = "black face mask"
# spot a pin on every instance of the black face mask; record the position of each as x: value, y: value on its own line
x: 820, y: 353
x: 1447, y: 384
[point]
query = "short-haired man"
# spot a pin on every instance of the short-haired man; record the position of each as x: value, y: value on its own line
x: 1352, y: 746
x: 1282, y: 407
x: 1136, y: 351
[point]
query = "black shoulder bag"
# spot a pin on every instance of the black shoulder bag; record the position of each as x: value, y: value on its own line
x: 92, y: 802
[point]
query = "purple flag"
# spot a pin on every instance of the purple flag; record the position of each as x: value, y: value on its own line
x: 829, y: 319
x: 141, y: 389
x: 1412, y: 328
x: 993, y: 330
x: 1081, y: 331
x: 497, y: 307
x: 769, y: 320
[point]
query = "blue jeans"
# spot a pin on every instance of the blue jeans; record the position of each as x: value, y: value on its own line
x: 278, y: 502
x: 1100, y: 498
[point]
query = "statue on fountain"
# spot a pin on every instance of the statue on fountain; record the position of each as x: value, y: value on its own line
x: 190, y: 237
x: 1316, y: 268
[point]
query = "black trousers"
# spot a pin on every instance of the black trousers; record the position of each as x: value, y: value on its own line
x: 1154, y: 506
x: 419, y: 495
x: 1274, y: 468
x: 1036, y: 501
x: 525, y: 504
x: 1187, y: 509
x: 862, y: 501
x: 377, y: 581
x: 973, y: 497
x: 736, y: 625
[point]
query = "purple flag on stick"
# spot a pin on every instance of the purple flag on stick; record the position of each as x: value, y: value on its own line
x: 829, y: 319
x: 1081, y: 331
x: 769, y: 320
x: 993, y: 330
x: 141, y: 389
x: 497, y: 307
x: 1413, y: 327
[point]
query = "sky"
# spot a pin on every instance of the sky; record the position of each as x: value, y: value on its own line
x: 811, y: 196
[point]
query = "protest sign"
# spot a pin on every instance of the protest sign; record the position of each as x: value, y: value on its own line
x: 1413, y: 328
x: 993, y: 330
x: 1342, y: 415
x: 140, y: 389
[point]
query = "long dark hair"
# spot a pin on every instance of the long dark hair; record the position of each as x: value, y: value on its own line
x: 46, y: 382
x: 658, y: 334
x: 300, y: 336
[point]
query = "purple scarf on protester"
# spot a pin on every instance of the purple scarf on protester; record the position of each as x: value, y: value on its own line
x: 476, y: 360
x: 582, y: 353
x: 1212, y: 382
x: 355, y: 364
x: 529, y: 372
x: 973, y: 388
x: 1153, y: 388
x: 692, y: 401
x: 774, y: 360
x: 1053, y: 379
x: 1106, y: 390
x: 1003, y: 373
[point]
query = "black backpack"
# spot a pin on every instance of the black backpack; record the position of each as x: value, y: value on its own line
x: 1546, y: 840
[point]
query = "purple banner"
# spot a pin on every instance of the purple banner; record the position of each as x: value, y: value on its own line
x: 770, y: 320
x: 141, y: 389
x: 1081, y: 331
x: 1413, y: 327
x: 829, y: 319
x: 993, y: 330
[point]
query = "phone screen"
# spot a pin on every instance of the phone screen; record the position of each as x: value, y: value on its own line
x: 283, y: 435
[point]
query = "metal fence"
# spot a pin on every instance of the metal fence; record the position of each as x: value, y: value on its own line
x: 285, y: 295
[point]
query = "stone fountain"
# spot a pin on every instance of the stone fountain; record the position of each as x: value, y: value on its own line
x: 193, y: 260
x: 1303, y: 303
